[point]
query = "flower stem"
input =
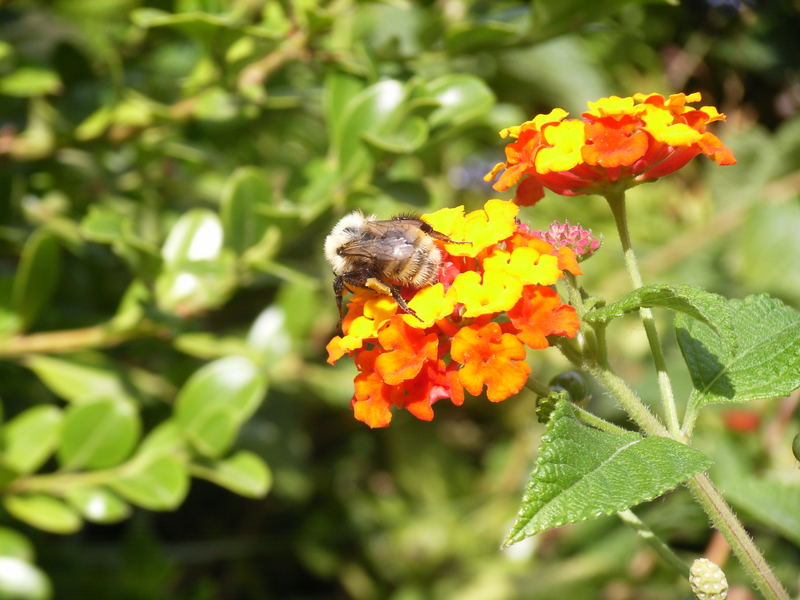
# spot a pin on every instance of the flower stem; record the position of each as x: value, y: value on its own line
x: 663, y: 550
x: 628, y: 399
x: 616, y: 200
x: 714, y: 505
x: 741, y: 543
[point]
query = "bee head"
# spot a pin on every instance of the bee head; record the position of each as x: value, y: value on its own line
x: 346, y: 230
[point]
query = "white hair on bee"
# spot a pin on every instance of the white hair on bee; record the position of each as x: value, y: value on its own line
x: 344, y: 231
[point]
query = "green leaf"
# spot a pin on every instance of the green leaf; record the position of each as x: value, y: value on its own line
x: 409, y: 136
x: 687, y: 299
x: 196, y: 236
x: 460, y: 97
x: 158, y: 485
x: 20, y: 580
x: 464, y: 37
x: 378, y: 109
x: 198, y: 272
x: 81, y: 378
x: 757, y: 357
x: 30, y: 81
x: 340, y: 89
x: 43, y: 512
x: 582, y: 473
x: 246, y: 190
x: 98, y: 435
x: 31, y: 437
x: 773, y: 503
x: 165, y: 439
x: 37, y: 275
x: 243, y: 473
x: 15, y: 545
x: 216, y: 400
x: 99, y: 505
x: 764, y: 255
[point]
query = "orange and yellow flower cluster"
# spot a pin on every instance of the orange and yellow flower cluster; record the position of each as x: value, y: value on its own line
x: 493, y: 298
x: 619, y: 142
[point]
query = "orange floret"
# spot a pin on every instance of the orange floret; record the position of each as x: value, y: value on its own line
x: 491, y: 358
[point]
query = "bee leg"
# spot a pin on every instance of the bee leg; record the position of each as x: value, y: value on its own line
x: 382, y: 287
x: 338, y: 290
x: 402, y: 303
x: 431, y: 232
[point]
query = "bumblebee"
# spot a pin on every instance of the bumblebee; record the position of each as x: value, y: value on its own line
x: 383, y: 256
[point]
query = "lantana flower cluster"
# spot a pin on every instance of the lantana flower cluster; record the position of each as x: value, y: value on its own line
x: 494, y: 298
x: 618, y: 142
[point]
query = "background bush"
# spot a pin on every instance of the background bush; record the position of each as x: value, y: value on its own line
x: 169, y: 171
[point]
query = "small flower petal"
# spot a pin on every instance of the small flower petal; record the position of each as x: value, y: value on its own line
x: 491, y: 358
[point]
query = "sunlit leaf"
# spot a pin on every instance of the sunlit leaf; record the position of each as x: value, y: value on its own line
x: 43, y: 512
x: 246, y: 190
x: 30, y: 81
x: 31, y: 437
x: 757, y: 357
x: 582, y: 473
x: 243, y: 473
x: 98, y: 434
x: 15, y: 545
x: 216, y: 400
x: 158, y: 485
x: 80, y: 378
x: 20, y: 580
x: 98, y: 504
x: 460, y: 97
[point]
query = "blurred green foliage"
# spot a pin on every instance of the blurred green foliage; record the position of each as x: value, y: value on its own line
x: 169, y: 170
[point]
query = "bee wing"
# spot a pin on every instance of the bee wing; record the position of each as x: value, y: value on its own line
x: 381, y: 249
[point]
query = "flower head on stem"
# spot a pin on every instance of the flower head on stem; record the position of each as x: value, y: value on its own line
x: 471, y: 329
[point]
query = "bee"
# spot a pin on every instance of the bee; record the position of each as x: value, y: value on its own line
x: 383, y: 256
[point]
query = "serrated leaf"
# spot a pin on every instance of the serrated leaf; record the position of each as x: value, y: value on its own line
x: 245, y: 191
x: 158, y: 485
x: 582, y: 473
x: 36, y: 277
x: 20, y: 580
x: 216, y: 400
x: 98, y: 435
x: 43, y: 512
x: 80, y: 378
x: 757, y: 357
x: 243, y: 473
x: 687, y: 299
x: 98, y: 504
x: 774, y: 503
x: 31, y: 437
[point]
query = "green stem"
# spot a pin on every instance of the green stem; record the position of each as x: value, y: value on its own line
x: 663, y: 550
x: 741, y: 543
x: 714, y: 505
x: 576, y: 300
x: 596, y: 422
x: 628, y: 399
x: 70, y: 340
x: 537, y: 387
x: 541, y: 390
x: 616, y: 200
